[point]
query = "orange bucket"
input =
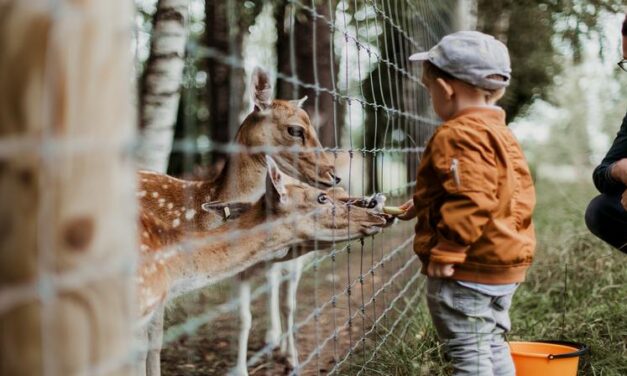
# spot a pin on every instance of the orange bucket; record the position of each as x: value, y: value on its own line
x: 547, y: 358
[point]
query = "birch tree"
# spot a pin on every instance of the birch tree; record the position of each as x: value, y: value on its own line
x: 160, y: 86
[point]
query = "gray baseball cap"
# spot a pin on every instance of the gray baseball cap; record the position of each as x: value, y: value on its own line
x: 471, y: 56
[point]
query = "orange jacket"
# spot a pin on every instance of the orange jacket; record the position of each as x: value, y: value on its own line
x: 474, y: 200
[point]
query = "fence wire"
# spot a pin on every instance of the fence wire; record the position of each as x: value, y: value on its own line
x: 352, y: 295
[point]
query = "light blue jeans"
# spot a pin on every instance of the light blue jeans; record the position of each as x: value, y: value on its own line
x: 472, y: 327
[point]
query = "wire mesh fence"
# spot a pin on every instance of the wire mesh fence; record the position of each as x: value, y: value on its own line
x: 373, y: 118
x: 368, y: 118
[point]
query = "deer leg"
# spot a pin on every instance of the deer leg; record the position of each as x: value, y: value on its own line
x: 142, y: 343
x: 296, y: 269
x: 273, y: 335
x: 155, y: 341
x: 241, y: 369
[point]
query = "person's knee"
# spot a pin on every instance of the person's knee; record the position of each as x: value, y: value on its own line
x: 596, y: 218
x: 607, y: 220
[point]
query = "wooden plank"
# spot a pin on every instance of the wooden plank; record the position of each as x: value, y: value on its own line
x: 67, y: 205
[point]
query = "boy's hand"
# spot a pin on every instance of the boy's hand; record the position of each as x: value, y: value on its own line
x: 438, y: 270
x: 623, y: 200
x: 410, y: 211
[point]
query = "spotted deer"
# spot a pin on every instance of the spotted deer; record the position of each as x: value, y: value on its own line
x: 272, y: 123
x: 174, y: 262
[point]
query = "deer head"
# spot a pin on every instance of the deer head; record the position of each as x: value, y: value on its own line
x: 284, y: 124
x: 324, y: 218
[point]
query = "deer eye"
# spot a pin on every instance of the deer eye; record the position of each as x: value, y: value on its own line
x: 323, y: 198
x: 296, y: 131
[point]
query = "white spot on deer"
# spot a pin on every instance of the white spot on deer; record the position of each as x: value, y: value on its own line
x: 176, y: 223
x: 190, y: 214
x: 183, y: 209
x: 141, y: 194
x: 145, y: 234
x: 144, y: 247
x: 165, y: 186
x: 144, y: 180
x: 170, y: 206
x: 155, y: 194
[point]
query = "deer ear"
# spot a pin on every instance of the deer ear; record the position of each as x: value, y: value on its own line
x: 299, y: 102
x: 275, y: 183
x: 261, y: 90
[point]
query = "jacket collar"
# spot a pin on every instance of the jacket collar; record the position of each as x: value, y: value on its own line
x: 494, y: 114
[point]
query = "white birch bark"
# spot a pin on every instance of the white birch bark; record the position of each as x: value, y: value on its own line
x: 67, y: 212
x: 467, y: 14
x: 161, y: 84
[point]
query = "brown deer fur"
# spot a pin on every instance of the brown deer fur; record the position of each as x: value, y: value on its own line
x: 162, y: 269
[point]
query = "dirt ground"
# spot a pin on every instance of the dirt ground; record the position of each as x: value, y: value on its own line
x: 212, y: 349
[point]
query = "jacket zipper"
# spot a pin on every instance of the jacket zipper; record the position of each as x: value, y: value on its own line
x: 455, y: 171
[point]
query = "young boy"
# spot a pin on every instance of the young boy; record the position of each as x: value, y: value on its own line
x: 474, y: 202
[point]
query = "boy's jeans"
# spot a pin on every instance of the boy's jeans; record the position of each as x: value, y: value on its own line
x: 472, y: 326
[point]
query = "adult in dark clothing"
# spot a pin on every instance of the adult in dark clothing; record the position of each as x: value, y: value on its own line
x: 606, y: 216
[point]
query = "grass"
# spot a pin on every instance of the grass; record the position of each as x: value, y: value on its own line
x: 576, y: 291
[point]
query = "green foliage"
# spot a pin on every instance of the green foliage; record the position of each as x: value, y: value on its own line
x: 531, y: 29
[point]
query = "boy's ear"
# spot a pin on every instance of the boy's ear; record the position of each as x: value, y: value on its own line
x: 446, y: 88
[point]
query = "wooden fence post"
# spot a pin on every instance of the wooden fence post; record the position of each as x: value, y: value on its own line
x: 67, y: 206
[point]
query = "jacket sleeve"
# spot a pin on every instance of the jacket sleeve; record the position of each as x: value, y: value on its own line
x: 602, y: 177
x: 466, y: 164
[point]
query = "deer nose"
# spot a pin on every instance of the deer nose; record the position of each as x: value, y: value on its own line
x: 336, y: 179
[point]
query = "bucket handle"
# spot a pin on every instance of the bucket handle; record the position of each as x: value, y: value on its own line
x: 583, y: 349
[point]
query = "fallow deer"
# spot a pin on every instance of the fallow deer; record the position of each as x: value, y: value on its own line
x: 272, y: 124
x: 289, y: 213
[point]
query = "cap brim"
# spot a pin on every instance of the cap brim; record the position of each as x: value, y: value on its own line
x: 420, y: 56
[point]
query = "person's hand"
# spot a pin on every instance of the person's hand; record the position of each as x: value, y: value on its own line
x: 438, y: 270
x: 619, y: 171
x: 623, y: 200
x: 409, y: 209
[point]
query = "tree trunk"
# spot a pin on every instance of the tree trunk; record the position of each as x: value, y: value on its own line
x: 311, y: 63
x: 467, y: 13
x: 225, y: 87
x: 161, y: 84
x: 67, y: 212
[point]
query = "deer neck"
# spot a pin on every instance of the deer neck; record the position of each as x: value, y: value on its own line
x: 243, y: 179
x: 236, y: 247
